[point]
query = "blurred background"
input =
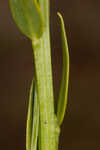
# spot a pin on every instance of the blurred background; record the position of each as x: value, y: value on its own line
x: 81, y: 128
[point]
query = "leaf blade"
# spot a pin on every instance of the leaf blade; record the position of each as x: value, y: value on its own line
x: 63, y: 94
x: 28, y: 17
x: 32, y: 120
x: 35, y: 129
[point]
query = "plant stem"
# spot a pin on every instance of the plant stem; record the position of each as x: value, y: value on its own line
x: 43, y: 71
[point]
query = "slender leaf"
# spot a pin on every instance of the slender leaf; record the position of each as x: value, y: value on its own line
x: 28, y: 17
x: 63, y: 94
x: 32, y: 120
x: 35, y: 129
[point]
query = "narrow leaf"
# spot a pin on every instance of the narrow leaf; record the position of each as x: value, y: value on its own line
x: 27, y: 15
x: 35, y: 129
x: 63, y: 94
x: 32, y: 120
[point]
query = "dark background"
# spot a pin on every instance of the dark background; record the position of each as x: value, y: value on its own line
x: 81, y: 128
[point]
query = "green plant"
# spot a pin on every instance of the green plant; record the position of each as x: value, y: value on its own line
x: 43, y: 124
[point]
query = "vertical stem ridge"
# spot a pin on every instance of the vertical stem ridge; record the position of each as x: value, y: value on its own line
x: 43, y: 69
x: 45, y: 91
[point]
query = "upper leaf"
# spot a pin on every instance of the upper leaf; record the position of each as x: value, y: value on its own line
x: 28, y: 17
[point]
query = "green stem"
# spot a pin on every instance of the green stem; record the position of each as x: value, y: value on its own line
x: 43, y: 70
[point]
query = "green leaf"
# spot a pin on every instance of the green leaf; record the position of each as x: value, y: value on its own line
x: 32, y: 128
x: 35, y: 129
x: 63, y: 94
x: 28, y: 17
